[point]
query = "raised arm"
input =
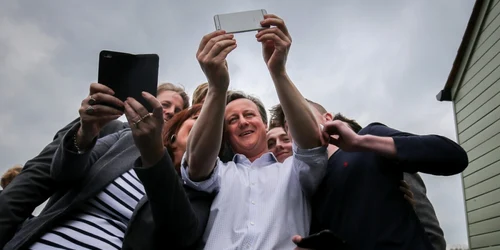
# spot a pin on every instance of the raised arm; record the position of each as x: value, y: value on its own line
x: 431, y: 154
x: 72, y: 157
x: 206, y: 135
x: 276, y: 42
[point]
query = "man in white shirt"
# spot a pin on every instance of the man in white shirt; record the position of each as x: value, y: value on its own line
x: 261, y: 203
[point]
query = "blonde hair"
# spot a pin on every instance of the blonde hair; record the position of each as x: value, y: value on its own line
x: 179, y: 90
x: 200, y: 93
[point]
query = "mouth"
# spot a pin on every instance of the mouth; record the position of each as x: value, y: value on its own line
x: 246, y: 133
x: 281, y: 153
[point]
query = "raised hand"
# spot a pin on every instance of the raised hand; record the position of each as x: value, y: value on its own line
x: 146, y: 128
x: 276, y: 42
x: 94, y: 115
x: 212, y: 54
x: 342, y: 136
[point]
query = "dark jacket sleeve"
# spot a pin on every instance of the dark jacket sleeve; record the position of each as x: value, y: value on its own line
x: 34, y: 185
x: 431, y: 154
x: 175, y: 220
x: 425, y: 211
x: 70, y: 166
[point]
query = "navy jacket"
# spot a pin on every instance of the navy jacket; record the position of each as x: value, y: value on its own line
x: 360, y: 201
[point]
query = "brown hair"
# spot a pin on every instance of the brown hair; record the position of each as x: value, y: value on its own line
x: 9, y: 175
x: 352, y: 123
x: 278, y: 116
x: 173, y: 125
x: 179, y: 90
x: 200, y: 93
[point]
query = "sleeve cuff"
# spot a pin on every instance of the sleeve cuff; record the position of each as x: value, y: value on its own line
x: 210, y: 185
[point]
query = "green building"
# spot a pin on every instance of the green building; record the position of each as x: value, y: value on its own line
x: 473, y: 86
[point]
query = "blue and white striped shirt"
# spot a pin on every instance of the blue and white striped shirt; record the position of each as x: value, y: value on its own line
x: 101, y: 222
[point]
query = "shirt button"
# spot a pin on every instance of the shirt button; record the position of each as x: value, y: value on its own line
x: 251, y: 223
x: 253, y: 202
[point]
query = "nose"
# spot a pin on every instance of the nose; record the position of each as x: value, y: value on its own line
x: 168, y: 113
x: 243, y: 122
x: 279, y: 145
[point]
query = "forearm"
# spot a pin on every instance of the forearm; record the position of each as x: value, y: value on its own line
x: 169, y: 204
x: 300, y: 118
x: 378, y: 144
x: 68, y: 165
x: 206, y: 135
x: 431, y: 154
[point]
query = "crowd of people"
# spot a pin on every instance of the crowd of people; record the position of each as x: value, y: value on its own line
x: 221, y: 174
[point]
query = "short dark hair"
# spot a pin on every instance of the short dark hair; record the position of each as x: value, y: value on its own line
x: 278, y: 116
x: 317, y: 106
x: 233, y: 95
x: 352, y: 123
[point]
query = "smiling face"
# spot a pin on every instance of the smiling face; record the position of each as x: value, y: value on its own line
x: 245, y: 129
x: 171, y: 103
x: 279, y: 144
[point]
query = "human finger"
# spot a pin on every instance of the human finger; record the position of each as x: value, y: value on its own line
x: 157, y: 108
x: 278, y: 42
x: 97, y: 87
x: 273, y: 20
x: 207, y: 38
x: 132, y: 117
x: 221, y: 46
x: 98, y: 110
x: 137, y: 106
x: 223, y: 54
x: 212, y: 42
x: 273, y: 30
x: 101, y: 98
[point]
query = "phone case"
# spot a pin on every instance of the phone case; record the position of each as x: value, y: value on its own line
x: 129, y: 75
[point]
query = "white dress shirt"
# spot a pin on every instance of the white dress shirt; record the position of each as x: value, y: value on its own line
x: 261, y: 204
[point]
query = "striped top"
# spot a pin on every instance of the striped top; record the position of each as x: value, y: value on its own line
x: 101, y: 222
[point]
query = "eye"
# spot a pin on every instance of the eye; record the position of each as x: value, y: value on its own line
x: 166, y: 105
x: 232, y: 120
x: 271, y: 144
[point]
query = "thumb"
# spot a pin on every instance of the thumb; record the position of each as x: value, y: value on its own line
x: 296, y: 239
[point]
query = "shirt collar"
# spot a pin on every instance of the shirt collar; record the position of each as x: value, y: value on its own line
x: 264, y: 160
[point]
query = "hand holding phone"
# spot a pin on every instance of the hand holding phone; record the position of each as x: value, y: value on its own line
x: 129, y: 75
x: 238, y: 22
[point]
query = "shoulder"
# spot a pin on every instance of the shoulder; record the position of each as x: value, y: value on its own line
x: 374, y: 126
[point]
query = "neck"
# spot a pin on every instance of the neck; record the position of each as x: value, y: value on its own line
x: 331, y: 150
x: 255, y: 154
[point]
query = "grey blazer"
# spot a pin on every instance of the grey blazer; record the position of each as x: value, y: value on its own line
x: 170, y: 216
x: 425, y: 211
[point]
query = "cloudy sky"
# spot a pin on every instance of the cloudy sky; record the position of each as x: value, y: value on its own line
x: 371, y: 60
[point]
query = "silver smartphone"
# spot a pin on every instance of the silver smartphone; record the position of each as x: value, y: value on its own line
x: 238, y: 22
